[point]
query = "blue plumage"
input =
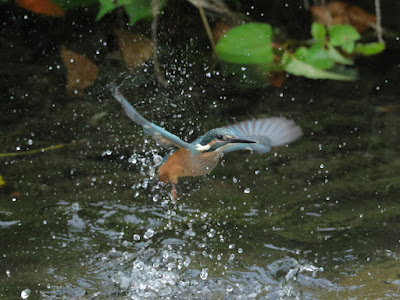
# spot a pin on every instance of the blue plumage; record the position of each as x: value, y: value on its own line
x: 160, y: 135
x: 202, y: 155
x: 254, y: 135
x: 263, y: 133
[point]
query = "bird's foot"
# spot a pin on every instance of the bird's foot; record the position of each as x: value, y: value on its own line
x: 174, y: 194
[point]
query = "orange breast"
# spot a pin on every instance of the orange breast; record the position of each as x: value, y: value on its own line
x: 174, y: 167
x: 181, y: 163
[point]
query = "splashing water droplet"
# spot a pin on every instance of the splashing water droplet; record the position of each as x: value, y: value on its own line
x: 157, y: 159
x: 187, y: 261
x: 204, y: 274
x: 25, y: 293
x: 75, y: 207
x: 211, y: 233
x: 148, y: 234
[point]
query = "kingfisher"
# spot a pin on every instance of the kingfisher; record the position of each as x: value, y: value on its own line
x: 202, y: 155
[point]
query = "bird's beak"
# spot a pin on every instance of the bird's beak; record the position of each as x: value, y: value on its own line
x: 241, y: 140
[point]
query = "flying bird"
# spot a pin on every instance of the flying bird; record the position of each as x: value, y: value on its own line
x: 201, y: 156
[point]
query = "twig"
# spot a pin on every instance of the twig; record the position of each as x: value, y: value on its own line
x: 212, y: 5
x: 378, y: 21
x: 206, y: 24
x: 155, y: 9
x: 41, y: 150
x: 220, y: 8
x: 306, y: 5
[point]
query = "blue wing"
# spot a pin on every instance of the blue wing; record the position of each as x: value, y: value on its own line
x: 268, y: 132
x: 160, y: 135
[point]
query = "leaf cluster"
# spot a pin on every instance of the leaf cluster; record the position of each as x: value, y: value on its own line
x: 327, y: 55
x: 322, y: 57
x: 135, y: 9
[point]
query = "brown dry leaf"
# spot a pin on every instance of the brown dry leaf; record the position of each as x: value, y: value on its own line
x: 135, y: 49
x: 361, y: 19
x: 81, y: 71
x: 277, y: 79
x: 337, y: 12
x: 44, y: 7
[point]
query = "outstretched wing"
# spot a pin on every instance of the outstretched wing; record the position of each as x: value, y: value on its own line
x: 160, y: 135
x: 268, y: 132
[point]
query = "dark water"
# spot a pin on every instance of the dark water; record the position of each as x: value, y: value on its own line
x: 316, y: 220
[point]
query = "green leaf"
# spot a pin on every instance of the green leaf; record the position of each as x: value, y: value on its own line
x: 247, y: 44
x: 316, y: 56
x: 301, y: 53
x: 137, y: 10
x: 296, y: 67
x: 320, y: 57
x: 337, y: 57
x: 348, y: 47
x: 343, y: 36
x: 318, y: 31
x: 369, y: 49
x: 106, y: 6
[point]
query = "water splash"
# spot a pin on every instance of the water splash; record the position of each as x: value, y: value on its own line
x: 25, y: 293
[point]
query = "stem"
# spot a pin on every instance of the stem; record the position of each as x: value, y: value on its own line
x: 154, y: 24
x: 378, y: 21
x: 34, y: 151
x: 206, y: 24
x: 306, y: 5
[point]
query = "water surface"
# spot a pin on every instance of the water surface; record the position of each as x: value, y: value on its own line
x: 315, y: 220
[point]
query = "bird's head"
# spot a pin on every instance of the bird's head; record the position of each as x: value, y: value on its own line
x: 218, y: 138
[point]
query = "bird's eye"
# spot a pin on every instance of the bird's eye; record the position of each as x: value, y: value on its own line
x: 220, y: 137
